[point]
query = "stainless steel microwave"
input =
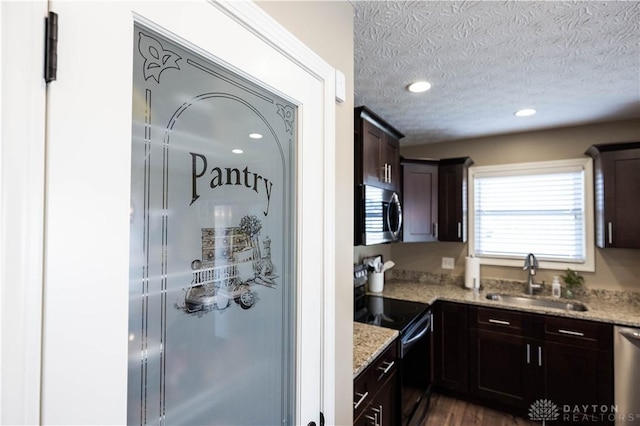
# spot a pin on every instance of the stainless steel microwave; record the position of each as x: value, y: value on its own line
x: 378, y: 216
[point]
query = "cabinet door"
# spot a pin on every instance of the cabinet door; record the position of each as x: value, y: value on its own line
x: 450, y: 346
x: 578, y: 367
x: 581, y: 379
x: 501, y: 367
x: 621, y: 176
x: 452, y: 199
x: 380, y: 157
x: 372, y: 142
x: 420, y: 202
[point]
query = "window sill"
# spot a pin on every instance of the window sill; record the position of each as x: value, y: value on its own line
x: 587, y: 266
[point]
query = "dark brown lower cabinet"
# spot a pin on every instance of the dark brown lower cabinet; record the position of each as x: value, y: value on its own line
x: 501, y: 368
x: 376, y: 392
x: 520, y: 361
x: 502, y: 357
x: 450, y: 347
x: 383, y: 408
x: 578, y: 370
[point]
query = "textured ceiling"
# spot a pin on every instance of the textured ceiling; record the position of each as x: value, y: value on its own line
x: 575, y: 62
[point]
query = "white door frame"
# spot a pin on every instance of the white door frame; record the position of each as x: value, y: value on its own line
x: 23, y: 205
x: 22, y: 151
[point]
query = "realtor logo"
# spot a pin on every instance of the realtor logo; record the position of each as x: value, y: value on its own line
x: 543, y: 410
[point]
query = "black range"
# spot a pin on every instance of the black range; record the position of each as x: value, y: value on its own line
x: 413, y: 321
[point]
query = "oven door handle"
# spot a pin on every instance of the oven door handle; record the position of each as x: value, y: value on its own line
x: 418, y: 336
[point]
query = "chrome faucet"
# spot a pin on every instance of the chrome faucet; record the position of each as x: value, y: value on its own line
x: 531, y: 263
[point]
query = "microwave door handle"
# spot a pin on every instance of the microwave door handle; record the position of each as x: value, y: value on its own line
x: 399, y: 206
x: 388, y: 215
x: 395, y: 202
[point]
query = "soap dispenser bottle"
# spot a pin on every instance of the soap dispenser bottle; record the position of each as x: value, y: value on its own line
x: 555, y: 287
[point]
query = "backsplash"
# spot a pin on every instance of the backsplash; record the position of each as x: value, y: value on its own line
x: 510, y: 286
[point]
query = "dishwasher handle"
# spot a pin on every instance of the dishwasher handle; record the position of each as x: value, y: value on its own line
x: 634, y: 335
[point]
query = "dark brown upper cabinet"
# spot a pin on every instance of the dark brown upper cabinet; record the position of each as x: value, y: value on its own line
x: 617, y: 193
x: 377, y: 151
x: 452, y: 199
x: 420, y: 200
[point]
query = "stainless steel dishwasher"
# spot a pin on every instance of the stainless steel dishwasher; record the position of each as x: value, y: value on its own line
x: 626, y: 353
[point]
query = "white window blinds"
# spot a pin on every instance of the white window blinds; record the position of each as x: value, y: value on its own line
x: 538, y: 210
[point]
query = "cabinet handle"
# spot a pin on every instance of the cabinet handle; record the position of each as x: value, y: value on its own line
x: 378, y: 413
x: 385, y: 369
x: 495, y: 321
x: 390, y: 178
x: 435, y: 230
x: 459, y: 229
x: 539, y: 356
x: 528, y: 354
x: 571, y: 333
x: 610, y: 226
x: 373, y: 418
x: 362, y: 397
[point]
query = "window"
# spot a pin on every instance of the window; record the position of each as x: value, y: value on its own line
x: 542, y: 208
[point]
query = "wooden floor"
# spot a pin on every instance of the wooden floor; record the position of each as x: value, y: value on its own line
x: 446, y: 411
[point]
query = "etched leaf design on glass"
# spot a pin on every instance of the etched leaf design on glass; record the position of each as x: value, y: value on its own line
x: 287, y: 114
x: 543, y: 409
x: 156, y: 59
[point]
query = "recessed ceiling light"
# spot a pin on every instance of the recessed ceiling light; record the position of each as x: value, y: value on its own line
x: 525, y: 112
x: 237, y: 151
x: 419, y: 86
x: 255, y: 136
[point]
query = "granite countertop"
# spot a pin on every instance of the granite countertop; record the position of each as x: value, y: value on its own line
x: 620, y: 308
x: 369, y: 341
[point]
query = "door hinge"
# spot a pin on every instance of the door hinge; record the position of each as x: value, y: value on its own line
x: 51, y: 47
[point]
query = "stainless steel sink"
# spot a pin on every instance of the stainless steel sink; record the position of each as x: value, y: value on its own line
x: 543, y: 303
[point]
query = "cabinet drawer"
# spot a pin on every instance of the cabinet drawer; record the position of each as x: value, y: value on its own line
x: 369, y: 382
x: 501, y: 320
x: 363, y: 392
x: 385, y: 365
x: 588, y: 334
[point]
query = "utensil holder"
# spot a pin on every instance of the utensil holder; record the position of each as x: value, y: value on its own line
x: 376, y: 282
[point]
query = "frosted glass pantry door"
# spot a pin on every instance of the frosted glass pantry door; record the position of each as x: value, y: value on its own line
x: 212, y: 290
x: 184, y: 282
